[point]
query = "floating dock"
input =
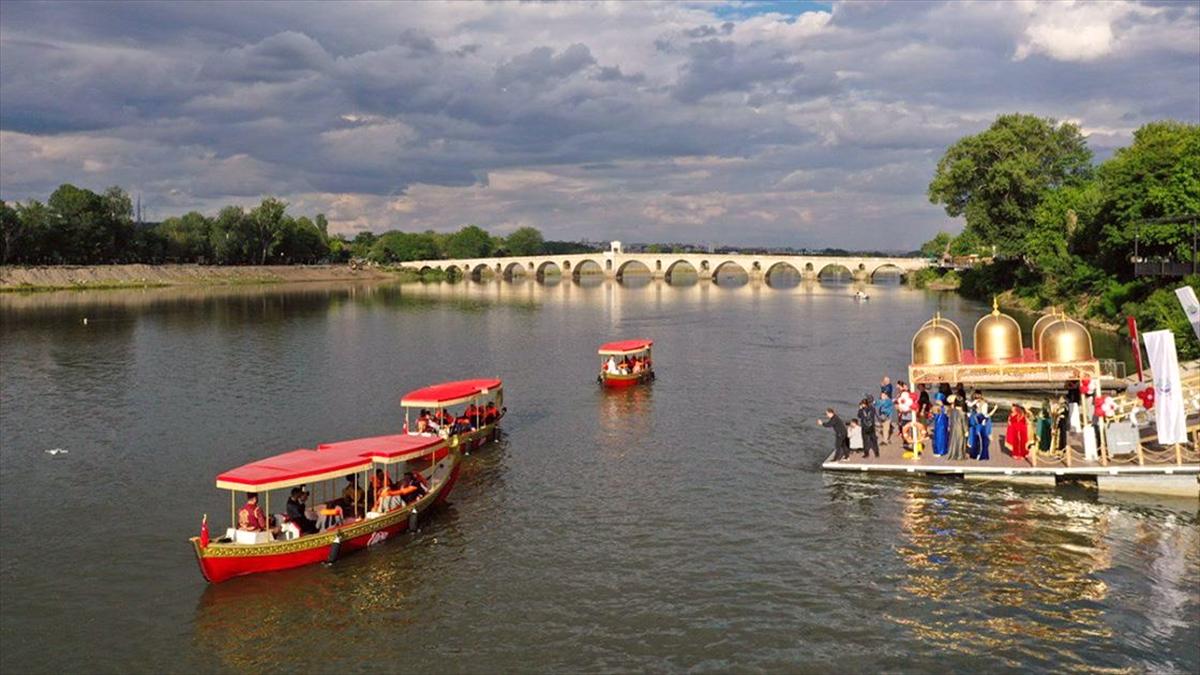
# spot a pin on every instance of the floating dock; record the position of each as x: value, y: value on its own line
x: 1163, y: 470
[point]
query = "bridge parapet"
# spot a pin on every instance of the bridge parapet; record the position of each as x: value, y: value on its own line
x: 614, y: 264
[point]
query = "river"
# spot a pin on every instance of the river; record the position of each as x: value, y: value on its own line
x: 681, y: 526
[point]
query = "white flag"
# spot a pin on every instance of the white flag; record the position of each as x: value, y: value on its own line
x: 1169, y: 417
x: 1191, y: 306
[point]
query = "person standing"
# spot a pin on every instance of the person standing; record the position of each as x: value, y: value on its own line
x: 1017, y: 433
x: 884, y: 409
x: 866, y: 420
x: 885, y: 387
x: 841, y: 442
x: 958, y: 429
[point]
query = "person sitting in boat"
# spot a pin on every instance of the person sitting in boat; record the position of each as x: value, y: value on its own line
x: 250, y: 516
x: 445, y: 418
x: 295, y: 511
x: 412, y: 488
x: 284, y: 530
x: 611, y: 366
x: 490, y: 413
x: 472, y: 414
x: 352, y: 496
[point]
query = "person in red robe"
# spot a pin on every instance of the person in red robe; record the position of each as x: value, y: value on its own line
x: 250, y: 517
x: 1017, y: 434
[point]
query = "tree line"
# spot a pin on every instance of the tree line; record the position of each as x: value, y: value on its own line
x: 1063, y: 228
x: 78, y: 226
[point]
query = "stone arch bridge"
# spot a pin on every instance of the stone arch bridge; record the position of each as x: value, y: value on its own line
x: 615, y: 264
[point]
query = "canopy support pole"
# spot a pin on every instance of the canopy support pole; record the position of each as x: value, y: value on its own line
x: 233, y: 509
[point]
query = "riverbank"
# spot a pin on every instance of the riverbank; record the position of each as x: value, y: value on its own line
x: 94, y: 277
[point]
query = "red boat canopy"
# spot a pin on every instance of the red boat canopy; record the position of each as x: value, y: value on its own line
x: 290, y: 469
x: 329, y: 460
x: 624, y: 347
x: 386, y: 449
x: 449, y: 393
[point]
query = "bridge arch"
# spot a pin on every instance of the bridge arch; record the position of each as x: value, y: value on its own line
x: 835, y: 272
x: 681, y: 266
x: 548, y: 267
x: 481, y: 272
x: 888, y: 269
x: 586, y: 267
x: 636, y: 267
x: 782, y: 269
x: 733, y: 270
x: 514, y: 270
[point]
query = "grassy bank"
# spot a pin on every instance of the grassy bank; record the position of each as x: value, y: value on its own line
x: 31, y: 279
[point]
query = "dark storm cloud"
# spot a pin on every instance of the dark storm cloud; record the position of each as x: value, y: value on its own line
x: 637, y: 120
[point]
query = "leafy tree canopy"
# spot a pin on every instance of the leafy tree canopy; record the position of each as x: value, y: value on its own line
x: 998, y: 177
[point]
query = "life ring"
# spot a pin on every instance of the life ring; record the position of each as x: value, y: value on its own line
x: 904, y: 402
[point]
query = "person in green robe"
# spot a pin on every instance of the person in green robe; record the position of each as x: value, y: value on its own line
x: 1044, y: 428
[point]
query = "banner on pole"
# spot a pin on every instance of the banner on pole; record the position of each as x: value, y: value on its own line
x: 1191, y: 306
x: 1169, y: 416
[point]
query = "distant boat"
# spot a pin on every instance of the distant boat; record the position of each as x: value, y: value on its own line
x: 859, y: 296
x: 625, y: 363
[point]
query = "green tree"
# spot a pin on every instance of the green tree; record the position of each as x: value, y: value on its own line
x: 268, y: 223
x: 301, y: 241
x: 525, y: 241
x: 360, y: 246
x: 469, y: 242
x: 998, y: 177
x: 232, y: 237
x: 398, y: 246
x: 967, y: 243
x: 11, y: 231
x: 1158, y: 176
x: 934, y: 248
x: 187, y: 238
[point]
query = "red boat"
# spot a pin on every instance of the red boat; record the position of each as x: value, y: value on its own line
x: 625, y: 363
x: 344, y: 527
x: 466, y: 413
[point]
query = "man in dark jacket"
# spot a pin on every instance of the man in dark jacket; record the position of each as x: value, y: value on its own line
x: 295, y: 511
x: 866, y: 420
x: 841, y: 442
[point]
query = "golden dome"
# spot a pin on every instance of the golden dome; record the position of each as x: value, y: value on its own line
x: 997, y: 337
x: 937, y: 343
x: 1065, y: 341
x: 1042, y: 322
x: 946, y: 323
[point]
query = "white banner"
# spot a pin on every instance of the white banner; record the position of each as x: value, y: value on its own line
x: 1191, y: 306
x: 1169, y: 415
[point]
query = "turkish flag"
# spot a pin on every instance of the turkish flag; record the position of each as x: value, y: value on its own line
x: 204, y: 532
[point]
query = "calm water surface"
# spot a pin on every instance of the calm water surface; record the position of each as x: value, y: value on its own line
x: 683, y: 526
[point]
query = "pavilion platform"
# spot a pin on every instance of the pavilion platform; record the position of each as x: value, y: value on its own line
x: 1164, y: 470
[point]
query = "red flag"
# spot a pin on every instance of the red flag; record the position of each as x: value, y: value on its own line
x: 1133, y: 341
x: 204, y: 532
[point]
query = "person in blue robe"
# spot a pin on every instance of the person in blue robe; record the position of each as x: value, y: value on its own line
x: 941, y: 432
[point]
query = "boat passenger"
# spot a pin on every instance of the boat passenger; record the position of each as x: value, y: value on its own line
x: 295, y: 511
x: 352, y: 496
x: 251, y: 517
x: 472, y: 413
x: 491, y: 414
x: 611, y: 366
x: 411, y: 489
x: 380, y: 482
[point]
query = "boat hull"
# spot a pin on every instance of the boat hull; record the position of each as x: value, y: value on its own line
x: 622, y: 381
x: 221, y: 562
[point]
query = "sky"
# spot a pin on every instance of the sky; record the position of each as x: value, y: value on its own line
x: 803, y: 124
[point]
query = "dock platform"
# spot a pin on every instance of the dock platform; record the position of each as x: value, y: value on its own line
x: 1160, y: 472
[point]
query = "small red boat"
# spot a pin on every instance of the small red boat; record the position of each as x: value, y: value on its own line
x: 346, y: 525
x: 466, y: 413
x: 625, y: 363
